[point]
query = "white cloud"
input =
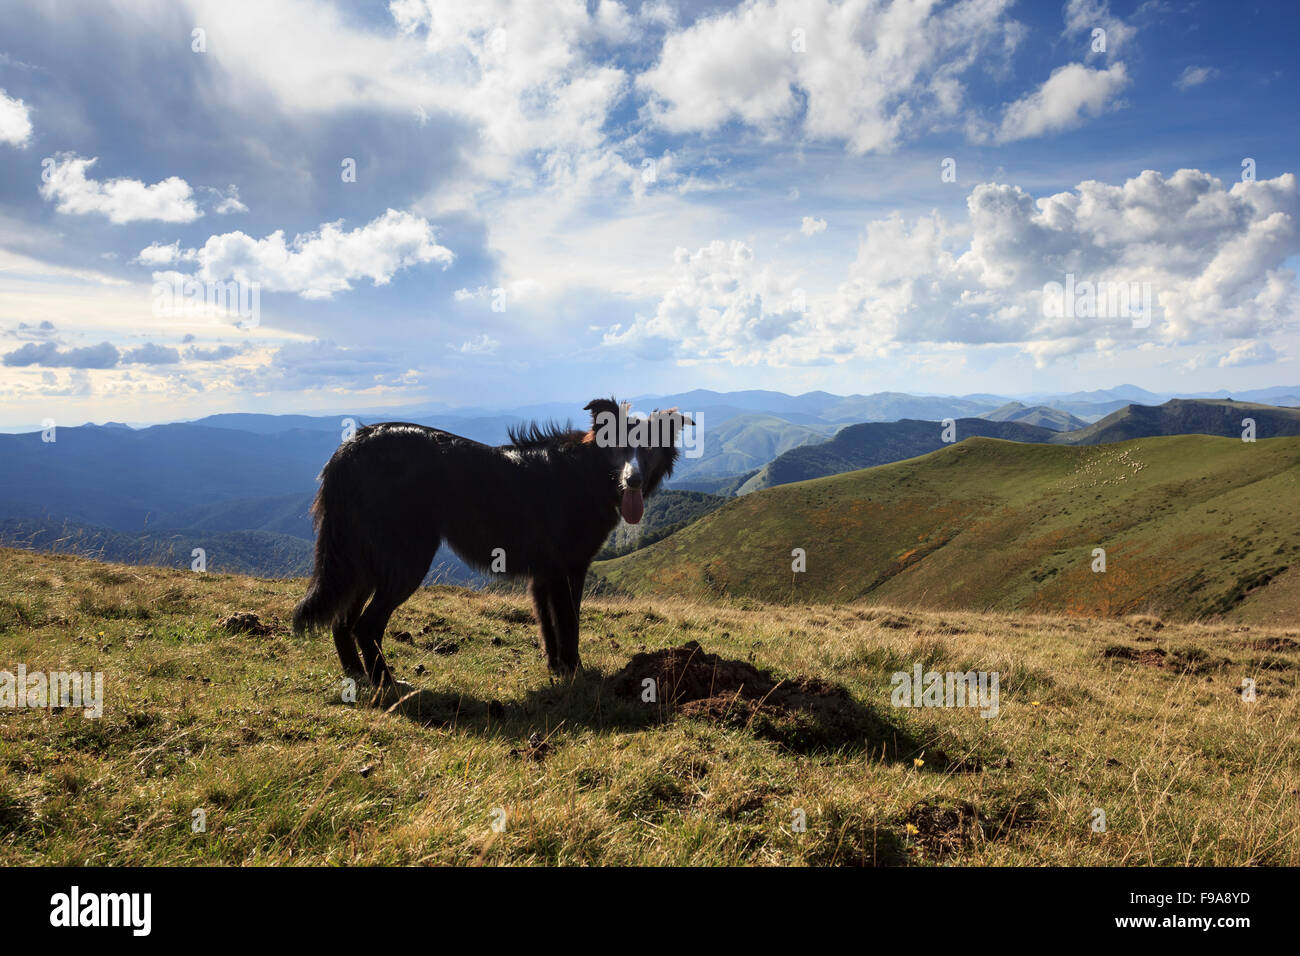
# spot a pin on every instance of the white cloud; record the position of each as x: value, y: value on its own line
x: 15, y: 121
x: 1070, y: 94
x: 1194, y: 76
x: 483, y: 345
x: 316, y: 264
x: 121, y: 200
x: 718, y: 307
x: 1085, y: 16
x: 157, y: 254
x: 228, y: 202
x: 1249, y: 353
x: 1214, y: 259
x: 811, y: 225
x: 521, y: 74
x: 867, y: 73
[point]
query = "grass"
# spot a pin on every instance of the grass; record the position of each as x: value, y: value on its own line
x: 1192, y: 526
x: 253, y: 732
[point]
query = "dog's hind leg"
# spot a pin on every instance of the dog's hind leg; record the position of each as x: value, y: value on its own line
x: 344, y: 641
x: 401, y: 582
x: 369, y: 630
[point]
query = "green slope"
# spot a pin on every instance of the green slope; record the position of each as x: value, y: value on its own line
x: 1181, y: 416
x: 878, y: 443
x: 666, y: 511
x: 1192, y: 525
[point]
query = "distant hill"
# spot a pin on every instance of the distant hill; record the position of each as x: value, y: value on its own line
x: 251, y: 551
x: 744, y: 443
x: 280, y: 514
x: 877, y: 443
x: 1179, y: 416
x: 123, y: 479
x: 1192, y: 526
x: 244, y: 552
x: 1041, y: 415
x: 833, y: 409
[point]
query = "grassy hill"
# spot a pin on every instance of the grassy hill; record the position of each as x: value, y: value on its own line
x: 1186, y: 417
x: 1192, y: 526
x: 876, y: 443
x: 1136, y: 717
x: 862, y: 446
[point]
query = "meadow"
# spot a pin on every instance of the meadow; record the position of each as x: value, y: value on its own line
x: 493, y: 762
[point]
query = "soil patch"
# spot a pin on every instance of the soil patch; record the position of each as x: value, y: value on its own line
x: 943, y: 827
x: 803, y: 713
x: 244, y: 622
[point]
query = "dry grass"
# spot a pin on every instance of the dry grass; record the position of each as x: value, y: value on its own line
x: 253, y: 732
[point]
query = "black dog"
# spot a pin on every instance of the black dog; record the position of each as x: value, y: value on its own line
x: 539, y: 507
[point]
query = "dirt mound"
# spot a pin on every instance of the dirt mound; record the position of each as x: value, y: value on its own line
x: 1153, y: 656
x: 1188, y: 660
x: 803, y: 713
x: 244, y: 622
x: 1271, y: 644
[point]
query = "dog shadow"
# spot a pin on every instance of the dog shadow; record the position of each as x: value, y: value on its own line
x: 592, y: 700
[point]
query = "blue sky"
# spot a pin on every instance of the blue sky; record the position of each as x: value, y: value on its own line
x: 557, y: 200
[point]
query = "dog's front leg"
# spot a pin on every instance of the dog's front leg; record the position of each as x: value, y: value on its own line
x: 541, y: 592
x: 565, y: 611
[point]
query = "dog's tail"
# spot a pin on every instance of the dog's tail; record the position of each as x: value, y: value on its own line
x: 334, y: 579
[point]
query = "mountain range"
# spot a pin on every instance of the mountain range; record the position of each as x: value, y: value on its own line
x: 239, y: 485
x: 1188, y: 526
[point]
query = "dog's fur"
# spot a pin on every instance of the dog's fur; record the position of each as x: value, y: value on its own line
x: 394, y: 492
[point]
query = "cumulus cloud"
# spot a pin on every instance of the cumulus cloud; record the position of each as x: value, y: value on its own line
x: 319, y: 364
x: 220, y: 353
x: 1194, y: 76
x: 1212, y: 257
x: 1250, y: 353
x: 1071, y: 94
x: 317, y: 264
x: 150, y: 354
x: 719, y: 306
x: 49, y: 355
x: 121, y: 200
x: 15, y: 121
x: 228, y: 202
x: 157, y: 254
x: 862, y: 73
x: 41, y: 331
x: 812, y: 225
x: 1086, y: 16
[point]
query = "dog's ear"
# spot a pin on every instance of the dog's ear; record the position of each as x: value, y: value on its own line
x: 599, y: 407
x: 676, y: 420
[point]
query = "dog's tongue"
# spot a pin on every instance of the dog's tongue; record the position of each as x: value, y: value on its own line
x: 633, y: 506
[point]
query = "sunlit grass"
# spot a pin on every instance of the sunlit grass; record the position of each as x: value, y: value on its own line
x: 252, y: 731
